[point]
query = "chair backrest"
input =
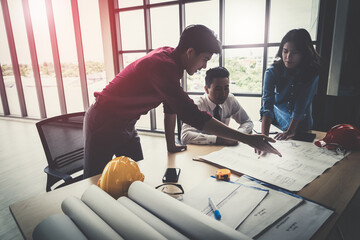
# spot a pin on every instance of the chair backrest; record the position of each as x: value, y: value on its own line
x: 63, y: 142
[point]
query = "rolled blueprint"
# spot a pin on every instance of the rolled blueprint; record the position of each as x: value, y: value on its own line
x: 121, y: 219
x: 57, y: 227
x: 89, y: 223
x: 187, y: 220
x: 160, y: 226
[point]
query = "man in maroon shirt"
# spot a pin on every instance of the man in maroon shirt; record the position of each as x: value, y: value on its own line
x: 153, y: 79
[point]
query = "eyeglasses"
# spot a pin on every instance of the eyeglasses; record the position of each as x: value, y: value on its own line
x: 337, y: 147
x: 171, y: 188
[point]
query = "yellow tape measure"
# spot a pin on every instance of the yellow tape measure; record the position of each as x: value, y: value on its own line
x: 223, y: 174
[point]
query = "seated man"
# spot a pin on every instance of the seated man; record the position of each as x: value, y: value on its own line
x: 222, y: 105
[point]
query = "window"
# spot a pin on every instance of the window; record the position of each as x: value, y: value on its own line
x: 51, y: 92
x: 23, y: 56
x: 250, y: 31
x: 44, y: 56
x: 298, y: 14
x: 132, y: 38
x: 92, y: 45
x: 7, y: 72
x: 244, y: 22
x: 170, y: 26
x: 209, y: 17
x: 129, y: 3
x: 68, y: 57
x: 245, y: 66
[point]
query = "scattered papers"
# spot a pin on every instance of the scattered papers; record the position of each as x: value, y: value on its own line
x: 275, y: 205
x: 234, y: 201
x: 279, y: 215
x: 300, y: 224
x: 301, y: 163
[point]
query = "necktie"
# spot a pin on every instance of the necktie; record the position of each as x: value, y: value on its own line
x: 217, y: 113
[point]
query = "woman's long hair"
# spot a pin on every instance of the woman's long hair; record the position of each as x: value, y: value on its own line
x: 302, y: 41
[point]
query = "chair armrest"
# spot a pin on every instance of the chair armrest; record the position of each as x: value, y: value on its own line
x: 55, y: 173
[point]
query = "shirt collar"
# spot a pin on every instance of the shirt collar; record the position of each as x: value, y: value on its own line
x: 210, y: 103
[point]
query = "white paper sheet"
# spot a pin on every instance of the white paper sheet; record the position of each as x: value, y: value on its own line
x: 272, y: 208
x: 234, y: 201
x: 300, y: 224
x: 301, y: 163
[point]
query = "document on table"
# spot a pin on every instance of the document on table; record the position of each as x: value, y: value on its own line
x: 234, y: 201
x: 300, y: 224
x: 271, y: 209
x: 301, y: 162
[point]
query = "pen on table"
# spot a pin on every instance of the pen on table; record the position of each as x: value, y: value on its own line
x: 214, y: 208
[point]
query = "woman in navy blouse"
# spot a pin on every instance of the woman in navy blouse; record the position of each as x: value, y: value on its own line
x: 290, y: 84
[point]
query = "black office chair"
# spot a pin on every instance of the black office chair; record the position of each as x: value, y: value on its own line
x: 63, y: 143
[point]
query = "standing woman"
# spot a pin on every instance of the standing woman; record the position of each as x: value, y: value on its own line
x: 290, y: 84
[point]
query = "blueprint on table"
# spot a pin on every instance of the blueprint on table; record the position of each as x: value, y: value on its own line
x: 301, y: 163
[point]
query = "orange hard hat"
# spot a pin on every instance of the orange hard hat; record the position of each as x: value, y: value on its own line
x: 117, y: 176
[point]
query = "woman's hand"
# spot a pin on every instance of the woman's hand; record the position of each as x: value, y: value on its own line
x: 290, y: 132
x: 284, y: 136
x: 261, y: 144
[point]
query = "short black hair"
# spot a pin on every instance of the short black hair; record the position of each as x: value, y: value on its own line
x: 217, y: 72
x: 200, y: 38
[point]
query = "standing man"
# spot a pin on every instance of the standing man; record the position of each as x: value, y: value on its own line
x: 109, y: 126
x: 222, y: 105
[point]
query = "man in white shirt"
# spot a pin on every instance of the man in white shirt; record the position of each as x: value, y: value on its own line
x: 222, y: 105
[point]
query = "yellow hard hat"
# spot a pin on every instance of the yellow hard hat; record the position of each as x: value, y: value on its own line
x: 117, y: 176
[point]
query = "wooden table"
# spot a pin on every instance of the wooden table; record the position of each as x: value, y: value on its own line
x: 335, y: 188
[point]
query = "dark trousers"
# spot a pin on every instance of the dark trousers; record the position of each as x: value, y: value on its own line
x: 106, y: 135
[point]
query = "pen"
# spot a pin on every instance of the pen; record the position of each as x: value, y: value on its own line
x: 214, y: 208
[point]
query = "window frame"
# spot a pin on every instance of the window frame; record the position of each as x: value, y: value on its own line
x: 146, y: 6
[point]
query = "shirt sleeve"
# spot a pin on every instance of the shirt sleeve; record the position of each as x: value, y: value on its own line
x: 193, y: 136
x: 304, y: 98
x: 239, y: 114
x: 268, y: 98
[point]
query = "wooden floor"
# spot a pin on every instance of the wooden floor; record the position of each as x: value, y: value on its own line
x: 22, y: 161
